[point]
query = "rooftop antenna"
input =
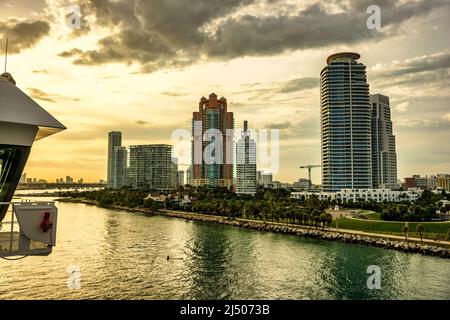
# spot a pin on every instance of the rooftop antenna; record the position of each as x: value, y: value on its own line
x: 6, y: 76
x: 6, y: 54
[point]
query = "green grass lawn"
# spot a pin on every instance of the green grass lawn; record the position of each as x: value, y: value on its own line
x: 431, y: 228
x: 361, y: 211
x: 374, y: 215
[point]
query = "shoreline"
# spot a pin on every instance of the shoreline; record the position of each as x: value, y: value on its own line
x: 389, y: 242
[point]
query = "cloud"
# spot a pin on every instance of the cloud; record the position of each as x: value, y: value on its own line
x: 313, y: 27
x: 446, y: 117
x: 142, y: 123
x: 298, y: 84
x: 43, y: 71
x: 236, y: 105
x: 174, y: 93
x: 281, y: 125
x: 21, y: 8
x: 428, y: 74
x: 163, y: 34
x: 41, y: 95
x: 430, y: 125
x: 268, y: 90
x: 133, y: 132
x: 402, y: 107
x: 22, y: 34
x: 428, y: 116
x: 433, y: 62
x: 157, y: 34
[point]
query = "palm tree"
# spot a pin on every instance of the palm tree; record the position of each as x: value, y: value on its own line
x: 323, y: 219
x: 306, y: 216
x: 443, y: 210
x: 316, y: 220
x: 329, y: 219
x: 419, y: 229
x: 300, y: 216
x: 405, y: 230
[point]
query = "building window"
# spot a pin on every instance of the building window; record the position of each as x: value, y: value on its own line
x: 12, y: 162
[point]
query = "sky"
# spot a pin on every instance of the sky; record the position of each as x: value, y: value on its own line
x: 141, y: 67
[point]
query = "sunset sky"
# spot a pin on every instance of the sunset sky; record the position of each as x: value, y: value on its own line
x: 141, y: 67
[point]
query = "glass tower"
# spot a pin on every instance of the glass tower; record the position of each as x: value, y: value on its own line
x: 246, y: 163
x: 345, y: 124
x: 152, y: 167
x: 114, y: 141
x: 384, y: 157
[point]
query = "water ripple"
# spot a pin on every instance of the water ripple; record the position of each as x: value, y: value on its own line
x: 123, y: 255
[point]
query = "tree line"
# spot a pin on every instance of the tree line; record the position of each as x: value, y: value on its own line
x: 268, y: 204
x: 273, y: 205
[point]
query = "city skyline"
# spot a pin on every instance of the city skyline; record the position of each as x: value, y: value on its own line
x: 406, y: 59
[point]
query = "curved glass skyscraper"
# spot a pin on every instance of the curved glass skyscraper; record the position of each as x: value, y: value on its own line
x: 345, y: 124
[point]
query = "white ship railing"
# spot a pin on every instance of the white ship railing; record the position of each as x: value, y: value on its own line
x: 20, y: 233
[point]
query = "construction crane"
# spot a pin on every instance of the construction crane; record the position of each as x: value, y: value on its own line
x: 309, y: 167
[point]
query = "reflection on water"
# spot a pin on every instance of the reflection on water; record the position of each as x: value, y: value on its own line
x: 123, y: 255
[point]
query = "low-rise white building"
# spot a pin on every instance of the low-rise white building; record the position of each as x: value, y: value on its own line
x: 320, y: 195
x: 353, y: 195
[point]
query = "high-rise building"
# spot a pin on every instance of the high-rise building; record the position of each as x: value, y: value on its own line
x: 212, y: 143
x: 180, y: 178
x: 114, y: 140
x: 416, y: 181
x: 174, y: 173
x: 302, y: 183
x: 120, y: 158
x: 265, y: 179
x: 151, y: 167
x: 384, y: 157
x: 189, y: 175
x: 129, y: 176
x: 246, y: 163
x: 345, y: 124
x: 69, y: 179
x: 431, y: 182
x: 443, y: 181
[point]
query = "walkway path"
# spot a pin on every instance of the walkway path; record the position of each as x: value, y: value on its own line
x: 441, y: 243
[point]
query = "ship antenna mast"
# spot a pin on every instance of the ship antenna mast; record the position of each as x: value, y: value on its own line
x: 6, y: 54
